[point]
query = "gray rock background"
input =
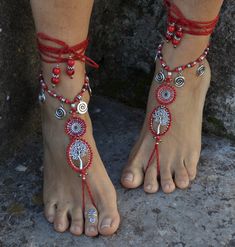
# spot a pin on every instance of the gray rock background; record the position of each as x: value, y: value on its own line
x: 124, y: 37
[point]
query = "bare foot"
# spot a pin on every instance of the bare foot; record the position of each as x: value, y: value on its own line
x: 180, y: 147
x: 62, y: 186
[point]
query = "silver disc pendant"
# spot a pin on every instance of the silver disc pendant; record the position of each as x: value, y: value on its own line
x: 179, y: 81
x: 42, y: 97
x: 82, y: 107
x: 201, y: 70
x: 160, y: 77
x: 60, y: 113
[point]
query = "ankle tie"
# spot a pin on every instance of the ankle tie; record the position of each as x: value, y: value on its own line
x: 78, y: 152
x: 63, y: 54
x: 178, y: 24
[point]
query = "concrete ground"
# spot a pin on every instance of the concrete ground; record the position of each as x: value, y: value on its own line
x: 203, y: 215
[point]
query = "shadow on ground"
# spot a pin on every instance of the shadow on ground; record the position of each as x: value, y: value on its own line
x: 203, y: 215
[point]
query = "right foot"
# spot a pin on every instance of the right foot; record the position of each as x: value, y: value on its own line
x: 62, y: 193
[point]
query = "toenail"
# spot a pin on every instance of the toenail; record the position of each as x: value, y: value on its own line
x: 167, y: 186
x: 149, y: 187
x: 128, y: 177
x: 106, y: 223
x: 75, y: 229
x: 50, y: 219
x: 92, y: 229
x: 183, y: 183
x: 59, y: 227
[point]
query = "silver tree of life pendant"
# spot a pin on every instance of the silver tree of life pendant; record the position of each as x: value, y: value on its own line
x: 79, y: 155
x: 160, y: 120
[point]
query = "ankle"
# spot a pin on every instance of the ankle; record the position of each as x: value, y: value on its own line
x: 188, y: 50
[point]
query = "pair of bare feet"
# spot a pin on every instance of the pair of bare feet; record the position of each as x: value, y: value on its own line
x: 179, y: 152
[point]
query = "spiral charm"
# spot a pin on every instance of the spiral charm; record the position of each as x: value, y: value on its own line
x: 42, y: 97
x: 201, y: 70
x: 179, y: 81
x: 82, y: 107
x: 60, y: 113
x: 160, y: 77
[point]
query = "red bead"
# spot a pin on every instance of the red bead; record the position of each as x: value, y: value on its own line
x: 71, y: 62
x: 70, y: 72
x: 168, y: 37
x: 67, y: 101
x: 56, y: 71
x: 179, y: 34
x: 175, y: 42
x: 171, y: 29
x: 55, y: 80
x: 167, y: 68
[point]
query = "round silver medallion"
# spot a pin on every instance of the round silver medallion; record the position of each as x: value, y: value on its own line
x: 160, y: 77
x: 201, y: 70
x: 60, y: 113
x: 179, y: 81
x: 82, y: 107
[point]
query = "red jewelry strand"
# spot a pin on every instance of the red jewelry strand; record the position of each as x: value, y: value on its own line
x: 63, y: 54
x: 178, y: 24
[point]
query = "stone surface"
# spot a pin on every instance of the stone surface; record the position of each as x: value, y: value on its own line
x: 124, y: 36
x: 203, y: 215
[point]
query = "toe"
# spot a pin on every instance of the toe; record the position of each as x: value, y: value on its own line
x: 191, y: 166
x: 109, y: 221
x: 49, y: 211
x: 61, y: 222
x: 167, y: 182
x: 76, y: 227
x: 150, y: 179
x: 91, y: 221
x: 181, y: 177
x: 132, y: 177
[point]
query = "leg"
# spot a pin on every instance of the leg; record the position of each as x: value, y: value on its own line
x: 180, y: 147
x: 69, y: 21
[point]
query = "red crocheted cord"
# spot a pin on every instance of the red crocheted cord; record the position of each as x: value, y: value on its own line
x: 51, y: 54
x: 189, y: 26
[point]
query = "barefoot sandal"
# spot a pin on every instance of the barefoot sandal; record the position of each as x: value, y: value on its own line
x: 78, y: 153
x: 160, y: 119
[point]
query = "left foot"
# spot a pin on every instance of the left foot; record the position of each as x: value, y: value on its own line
x: 180, y: 147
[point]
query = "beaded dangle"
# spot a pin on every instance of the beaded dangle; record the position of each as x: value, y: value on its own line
x: 169, y: 80
x: 78, y: 152
x: 178, y: 25
x: 62, y: 54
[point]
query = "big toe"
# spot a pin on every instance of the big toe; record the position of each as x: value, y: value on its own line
x: 132, y: 177
x: 109, y: 221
